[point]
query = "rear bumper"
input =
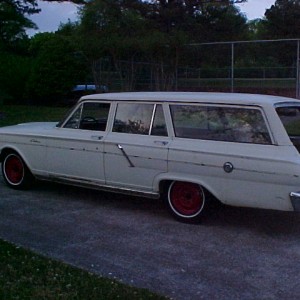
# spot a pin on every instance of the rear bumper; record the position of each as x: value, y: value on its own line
x: 295, y: 199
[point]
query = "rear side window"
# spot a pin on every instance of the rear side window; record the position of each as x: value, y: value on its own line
x: 140, y: 118
x: 231, y: 124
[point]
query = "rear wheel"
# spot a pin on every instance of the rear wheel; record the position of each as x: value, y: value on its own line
x: 186, y: 201
x: 15, y: 172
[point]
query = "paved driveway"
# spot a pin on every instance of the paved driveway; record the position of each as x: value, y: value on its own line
x: 235, y: 254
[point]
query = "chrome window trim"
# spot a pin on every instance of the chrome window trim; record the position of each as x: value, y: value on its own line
x: 152, y: 119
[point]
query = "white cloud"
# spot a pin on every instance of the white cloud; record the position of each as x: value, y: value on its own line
x: 52, y: 14
x: 255, y: 8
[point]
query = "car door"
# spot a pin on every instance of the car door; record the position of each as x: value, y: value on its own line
x: 76, y: 150
x: 136, y: 149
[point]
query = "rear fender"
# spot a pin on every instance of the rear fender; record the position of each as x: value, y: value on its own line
x: 169, y: 177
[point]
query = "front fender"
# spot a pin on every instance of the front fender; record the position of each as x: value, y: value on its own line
x: 12, y: 148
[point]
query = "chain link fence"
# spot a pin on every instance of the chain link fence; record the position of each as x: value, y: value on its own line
x: 265, y: 67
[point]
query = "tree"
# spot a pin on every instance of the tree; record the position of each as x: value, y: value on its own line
x: 214, y: 23
x: 221, y: 23
x: 19, y: 66
x: 282, y: 20
x: 14, y: 21
x: 74, y: 1
x: 112, y: 30
x: 15, y: 64
x: 132, y: 32
x: 14, y: 70
x: 55, y: 70
x: 182, y: 14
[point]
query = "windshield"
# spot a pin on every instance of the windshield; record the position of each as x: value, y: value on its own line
x: 59, y: 124
x: 290, y: 118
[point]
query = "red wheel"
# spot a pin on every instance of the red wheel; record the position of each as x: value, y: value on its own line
x: 186, y: 200
x: 15, y: 172
x: 13, y: 169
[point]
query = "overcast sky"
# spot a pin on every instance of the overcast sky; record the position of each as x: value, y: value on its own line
x: 54, y: 13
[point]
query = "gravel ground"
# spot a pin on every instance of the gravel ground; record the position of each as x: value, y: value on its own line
x: 234, y: 254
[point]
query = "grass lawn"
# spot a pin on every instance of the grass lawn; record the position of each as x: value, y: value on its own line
x: 15, y: 114
x: 251, y: 83
x: 26, y: 275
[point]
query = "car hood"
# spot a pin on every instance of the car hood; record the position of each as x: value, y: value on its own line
x: 33, y: 127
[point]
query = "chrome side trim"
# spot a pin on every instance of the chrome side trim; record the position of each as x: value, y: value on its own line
x: 102, y: 187
x: 295, y: 199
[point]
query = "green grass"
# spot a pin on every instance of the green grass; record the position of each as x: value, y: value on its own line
x: 252, y: 83
x: 25, y: 275
x: 15, y: 114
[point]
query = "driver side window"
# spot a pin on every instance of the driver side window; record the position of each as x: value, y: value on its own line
x: 89, y: 116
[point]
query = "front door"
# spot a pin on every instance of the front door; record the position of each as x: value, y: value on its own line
x: 75, y: 152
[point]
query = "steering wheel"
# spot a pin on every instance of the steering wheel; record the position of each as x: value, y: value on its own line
x: 88, y: 119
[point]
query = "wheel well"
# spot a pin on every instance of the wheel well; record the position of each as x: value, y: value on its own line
x: 164, y: 185
x: 27, y: 177
x: 6, y: 151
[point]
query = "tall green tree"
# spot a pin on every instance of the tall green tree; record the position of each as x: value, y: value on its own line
x: 15, y: 64
x: 112, y: 30
x: 73, y: 1
x: 55, y: 70
x: 19, y: 66
x: 221, y: 23
x: 14, y: 73
x: 282, y: 20
x: 213, y: 22
x: 182, y: 14
x: 154, y: 32
x: 14, y: 20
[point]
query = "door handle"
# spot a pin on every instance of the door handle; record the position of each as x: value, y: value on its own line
x: 96, y: 137
x: 126, y: 156
x: 163, y: 143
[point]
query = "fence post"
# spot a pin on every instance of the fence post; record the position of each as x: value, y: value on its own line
x: 232, y: 67
x: 298, y: 71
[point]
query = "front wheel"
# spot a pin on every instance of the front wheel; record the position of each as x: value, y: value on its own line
x: 186, y: 201
x: 15, y: 172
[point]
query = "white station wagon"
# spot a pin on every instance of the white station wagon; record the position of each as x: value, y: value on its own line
x: 189, y: 147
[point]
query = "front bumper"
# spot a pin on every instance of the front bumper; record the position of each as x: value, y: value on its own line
x: 295, y: 199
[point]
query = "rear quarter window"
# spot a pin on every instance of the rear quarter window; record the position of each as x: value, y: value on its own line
x: 290, y: 118
x: 220, y: 123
